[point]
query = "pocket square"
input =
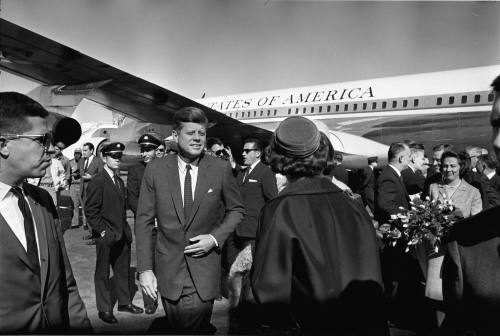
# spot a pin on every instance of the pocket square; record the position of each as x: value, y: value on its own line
x: 252, y: 180
x: 209, y: 191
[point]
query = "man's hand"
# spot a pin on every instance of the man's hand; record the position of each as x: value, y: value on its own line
x: 200, y: 245
x: 148, y: 283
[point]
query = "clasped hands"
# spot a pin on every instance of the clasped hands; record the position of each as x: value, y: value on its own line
x: 200, y: 245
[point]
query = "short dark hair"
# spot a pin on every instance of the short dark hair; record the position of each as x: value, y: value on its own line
x: 189, y: 114
x: 442, y: 147
x: 214, y: 141
x: 463, y: 160
x: 257, y: 143
x: 496, y: 84
x: 309, y: 166
x: 89, y: 145
x: 14, y: 109
x: 338, y: 156
x: 394, y: 149
x: 490, y: 160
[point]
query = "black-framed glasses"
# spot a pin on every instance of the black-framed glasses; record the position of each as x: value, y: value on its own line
x: 160, y: 149
x: 45, y: 140
x: 248, y: 150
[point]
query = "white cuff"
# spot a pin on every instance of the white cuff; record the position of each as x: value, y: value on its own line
x: 215, y: 240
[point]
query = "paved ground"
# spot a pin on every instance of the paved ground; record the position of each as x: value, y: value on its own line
x: 82, y: 259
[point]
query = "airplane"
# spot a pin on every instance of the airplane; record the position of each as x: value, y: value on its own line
x: 363, y: 117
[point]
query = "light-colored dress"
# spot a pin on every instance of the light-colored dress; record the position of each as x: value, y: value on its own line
x: 465, y: 197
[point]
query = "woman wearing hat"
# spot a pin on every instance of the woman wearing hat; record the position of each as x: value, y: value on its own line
x: 316, y: 267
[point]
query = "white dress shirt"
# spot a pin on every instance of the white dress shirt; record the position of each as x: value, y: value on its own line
x: 182, y: 176
x: 9, y: 209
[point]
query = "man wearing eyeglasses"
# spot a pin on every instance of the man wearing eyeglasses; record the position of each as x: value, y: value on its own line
x: 38, y: 292
x: 105, y: 208
x: 148, y: 144
x: 257, y: 184
x: 160, y: 151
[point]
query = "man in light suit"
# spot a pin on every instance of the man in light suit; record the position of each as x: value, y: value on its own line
x: 471, y: 266
x: 106, y: 205
x: 185, y: 192
x: 38, y: 292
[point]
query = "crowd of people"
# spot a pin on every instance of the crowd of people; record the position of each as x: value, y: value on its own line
x: 291, y: 237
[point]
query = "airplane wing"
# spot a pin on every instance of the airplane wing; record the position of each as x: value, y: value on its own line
x: 66, y: 72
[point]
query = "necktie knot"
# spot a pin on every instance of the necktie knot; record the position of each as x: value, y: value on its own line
x: 17, y: 192
x: 188, y: 168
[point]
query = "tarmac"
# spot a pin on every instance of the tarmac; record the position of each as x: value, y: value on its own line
x: 82, y: 259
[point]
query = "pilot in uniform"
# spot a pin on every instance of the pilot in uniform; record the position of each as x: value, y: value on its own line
x: 105, y: 207
x: 148, y: 144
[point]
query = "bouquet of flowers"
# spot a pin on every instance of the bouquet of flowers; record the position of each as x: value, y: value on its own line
x: 425, y: 222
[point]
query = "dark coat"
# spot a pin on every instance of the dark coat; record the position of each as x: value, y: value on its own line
x: 316, y: 262
x: 367, y: 188
x: 495, y: 183
x: 471, y: 273
x: 258, y: 188
x: 134, y: 180
x: 489, y: 195
x: 414, y: 181
x: 105, y: 208
x: 390, y: 194
x: 24, y: 307
x: 95, y: 166
x: 161, y: 198
x: 341, y: 174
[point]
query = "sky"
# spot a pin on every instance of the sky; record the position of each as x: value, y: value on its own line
x: 221, y: 47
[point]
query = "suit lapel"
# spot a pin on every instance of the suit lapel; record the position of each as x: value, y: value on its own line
x: 41, y: 230
x: 202, y: 184
x: 173, y: 180
x: 9, y: 239
x: 400, y: 179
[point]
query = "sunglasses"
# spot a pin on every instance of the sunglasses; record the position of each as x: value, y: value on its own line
x: 45, y: 140
x: 115, y: 156
x: 160, y: 149
x: 248, y: 150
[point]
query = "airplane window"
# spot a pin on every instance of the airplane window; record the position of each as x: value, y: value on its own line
x: 320, y: 109
x: 355, y: 107
x: 364, y: 106
x: 236, y: 116
x: 296, y: 111
x: 490, y: 97
x: 346, y: 107
x: 261, y: 113
x: 439, y: 101
x: 384, y: 105
x: 405, y: 103
x: 374, y: 106
x: 274, y: 112
x: 303, y: 110
x: 477, y: 98
x: 289, y: 111
x: 415, y: 102
x: 254, y: 113
x: 451, y: 100
x: 312, y: 109
x: 464, y: 99
x: 231, y: 114
x: 268, y: 112
x: 394, y: 104
x: 337, y: 108
x: 248, y: 113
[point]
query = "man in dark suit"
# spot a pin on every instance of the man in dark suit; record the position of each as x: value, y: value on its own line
x: 148, y: 144
x: 487, y: 165
x: 105, y: 207
x: 471, y: 266
x: 367, y: 186
x: 390, y: 193
x: 339, y: 171
x: 38, y: 292
x: 257, y: 184
x: 89, y: 166
x: 191, y: 230
x: 413, y: 177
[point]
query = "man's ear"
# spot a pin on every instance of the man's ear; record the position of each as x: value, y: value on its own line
x: 4, y: 149
x: 175, y: 136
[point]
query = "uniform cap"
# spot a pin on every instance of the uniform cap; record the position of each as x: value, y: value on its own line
x: 113, y: 148
x: 149, y: 140
x: 372, y: 159
x: 297, y: 137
